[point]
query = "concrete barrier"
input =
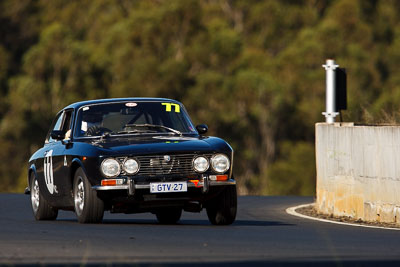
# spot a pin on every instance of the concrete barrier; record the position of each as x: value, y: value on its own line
x: 358, y: 171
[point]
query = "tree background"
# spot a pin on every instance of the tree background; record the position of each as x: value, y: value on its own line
x: 249, y: 69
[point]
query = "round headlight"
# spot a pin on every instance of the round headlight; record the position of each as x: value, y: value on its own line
x: 200, y: 164
x: 220, y: 163
x: 110, y: 168
x: 131, y: 166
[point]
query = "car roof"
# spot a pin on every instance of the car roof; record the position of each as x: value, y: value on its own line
x: 77, y: 105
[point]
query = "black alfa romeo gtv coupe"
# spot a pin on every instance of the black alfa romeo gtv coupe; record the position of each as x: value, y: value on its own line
x: 131, y: 155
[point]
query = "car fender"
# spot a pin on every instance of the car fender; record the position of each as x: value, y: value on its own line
x: 31, y: 169
x: 75, y: 164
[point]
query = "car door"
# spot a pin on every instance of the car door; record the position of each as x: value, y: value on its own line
x: 53, y: 161
x: 62, y: 160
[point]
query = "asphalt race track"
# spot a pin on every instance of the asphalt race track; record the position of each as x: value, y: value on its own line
x: 263, y: 234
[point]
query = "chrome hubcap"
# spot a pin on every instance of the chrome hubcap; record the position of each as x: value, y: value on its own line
x: 79, y: 196
x: 35, y: 196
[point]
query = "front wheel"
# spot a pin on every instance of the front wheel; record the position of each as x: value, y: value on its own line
x: 88, y: 207
x: 222, y: 209
x: 41, y: 208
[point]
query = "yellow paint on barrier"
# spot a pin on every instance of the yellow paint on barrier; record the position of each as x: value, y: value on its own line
x: 357, y: 171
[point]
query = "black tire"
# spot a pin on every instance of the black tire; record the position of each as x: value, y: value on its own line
x: 169, y: 215
x: 41, y: 208
x: 88, y: 207
x: 222, y: 209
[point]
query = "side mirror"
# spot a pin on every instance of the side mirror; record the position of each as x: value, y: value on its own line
x: 202, y: 128
x: 57, y: 135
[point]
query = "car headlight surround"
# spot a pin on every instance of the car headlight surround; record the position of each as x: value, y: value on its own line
x: 220, y: 163
x: 110, y: 168
x: 201, y: 164
x: 131, y: 166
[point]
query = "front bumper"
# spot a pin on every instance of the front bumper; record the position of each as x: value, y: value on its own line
x: 147, y: 186
x: 135, y: 196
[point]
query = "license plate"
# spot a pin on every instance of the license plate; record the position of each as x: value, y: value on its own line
x: 168, y: 187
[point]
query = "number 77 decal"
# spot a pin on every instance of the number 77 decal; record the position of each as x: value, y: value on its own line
x: 168, y: 107
x: 48, y: 171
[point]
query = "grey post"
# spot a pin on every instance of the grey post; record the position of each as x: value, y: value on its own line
x: 330, y: 99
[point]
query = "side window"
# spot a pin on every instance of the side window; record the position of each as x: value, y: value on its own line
x: 66, y: 128
x: 55, y: 126
x: 61, y: 123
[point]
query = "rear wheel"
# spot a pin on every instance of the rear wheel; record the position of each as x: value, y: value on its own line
x: 169, y: 215
x: 41, y: 208
x: 222, y: 209
x: 88, y: 207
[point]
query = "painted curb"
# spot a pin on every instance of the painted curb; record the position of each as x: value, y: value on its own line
x: 292, y: 211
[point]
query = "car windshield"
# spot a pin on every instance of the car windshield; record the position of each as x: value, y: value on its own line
x: 132, y: 118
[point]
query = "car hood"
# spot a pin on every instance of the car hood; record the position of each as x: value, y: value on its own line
x: 159, y: 144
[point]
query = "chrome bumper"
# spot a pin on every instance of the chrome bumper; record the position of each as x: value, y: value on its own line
x: 147, y: 186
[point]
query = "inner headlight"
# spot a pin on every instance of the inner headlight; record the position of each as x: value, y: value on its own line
x: 131, y: 166
x: 201, y: 164
x: 110, y: 167
x: 220, y: 163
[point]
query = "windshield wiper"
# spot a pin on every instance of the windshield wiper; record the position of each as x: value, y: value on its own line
x: 154, y: 126
x: 131, y: 131
x: 102, y: 138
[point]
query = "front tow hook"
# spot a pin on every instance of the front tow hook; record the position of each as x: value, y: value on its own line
x: 131, y: 186
x: 206, y: 184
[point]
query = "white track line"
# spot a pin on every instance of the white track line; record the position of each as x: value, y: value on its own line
x: 292, y: 211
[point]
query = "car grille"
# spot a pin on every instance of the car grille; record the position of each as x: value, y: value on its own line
x: 167, y: 164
